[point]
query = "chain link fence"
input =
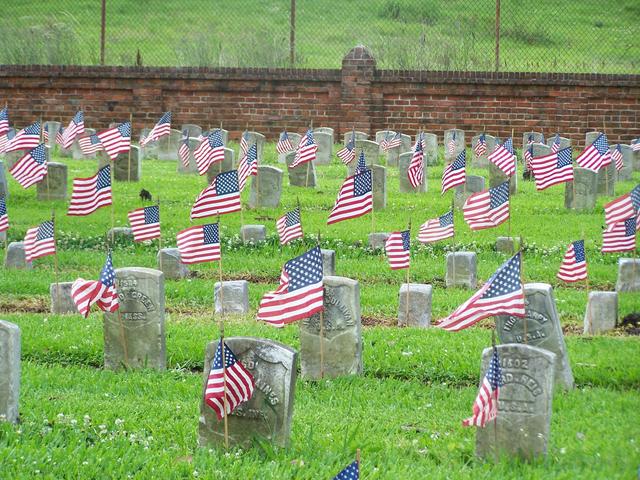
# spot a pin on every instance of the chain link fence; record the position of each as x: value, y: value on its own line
x: 462, y: 35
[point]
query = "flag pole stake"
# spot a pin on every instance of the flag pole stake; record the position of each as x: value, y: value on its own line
x: 453, y: 243
x: 408, y: 284
x: 113, y: 212
x: 224, y: 384
x: 159, y: 238
x: 130, y: 138
x: 358, y: 457
x: 322, y: 343
x: 219, y: 276
x: 522, y: 283
x: 123, y: 336
x: 495, y: 420
x: 55, y: 257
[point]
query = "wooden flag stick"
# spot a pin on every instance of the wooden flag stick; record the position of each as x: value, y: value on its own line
x: 453, y: 243
x: 321, y: 344
x: 123, y: 336
x: 130, y: 138
x: 159, y: 237
x: 495, y: 420
x: 55, y: 257
x: 113, y: 212
x: 219, y: 276
x: 358, y: 457
x: 524, y: 324
x: 408, y: 289
x: 225, y: 399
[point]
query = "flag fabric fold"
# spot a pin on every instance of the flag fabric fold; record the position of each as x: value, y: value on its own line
x: 39, y: 241
x: 90, y: 144
x: 284, y: 144
x: 248, y: 166
x: 4, y: 216
x: 596, y: 155
x: 574, y: 263
x: 437, y: 229
x: 116, y: 140
x: 210, y: 151
x: 219, y: 198
x: 92, y: 193
x: 25, y: 139
x: 306, y: 151
x: 480, y: 148
x: 415, y: 172
x: 623, y: 207
x: 350, y: 472
x: 73, y: 130
x: 160, y: 129
x: 354, y: 199
x: 145, y: 223
x: 199, y: 244
x: 487, y: 209
x: 553, y: 169
x: 455, y: 173
x: 398, y: 249
x: 504, y: 158
x: 620, y: 237
x: 101, y: 292
x: 289, y: 226
x: 31, y: 168
x: 485, y: 407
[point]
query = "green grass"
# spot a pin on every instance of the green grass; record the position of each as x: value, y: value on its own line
x: 79, y: 421
x: 414, y: 34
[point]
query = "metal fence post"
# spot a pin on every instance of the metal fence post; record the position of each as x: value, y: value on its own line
x: 292, y: 34
x: 103, y: 22
x: 497, y: 35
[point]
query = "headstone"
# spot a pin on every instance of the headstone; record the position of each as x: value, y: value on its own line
x: 224, y: 134
x: 4, y: 185
x: 505, y: 245
x: 134, y: 335
x: 538, y: 137
x: 192, y: 129
x: 430, y: 148
x: 542, y: 328
x: 626, y: 172
x: 218, y: 167
x: 120, y: 234
x: 328, y: 262
x: 327, y: 130
x: 15, y: 257
x: 403, y: 166
x: 591, y: 137
x: 191, y: 166
x: 628, y: 275
x: 259, y: 139
x: 585, y: 189
x: 340, y: 333
x: 379, y: 187
x: 294, y: 138
x: 303, y: 175
x: 234, y: 298
x: 128, y: 166
x: 168, y: 145
x: 522, y: 427
x: 152, y: 148
x: 564, y: 141
x: 9, y: 371
x: 52, y: 128
x: 460, y: 143
x: 418, y: 312
x: 540, y: 149
x: 483, y: 160
x: 54, y: 185
x: 61, y: 300
x: 170, y: 265
x: 325, y: 148
x: 377, y: 240
x: 370, y: 150
x: 461, y: 270
x: 381, y: 135
x: 3, y: 236
x: 76, y: 151
x: 266, y: 188
x: 473, y: 184
x: 601, y: 314
x: 393, y: 154
x: 607, y: 180
x: 253, y: 233
x: 11, y: 158
x: 359, y: 136
x: 497, y: 177
x: 268, y: 413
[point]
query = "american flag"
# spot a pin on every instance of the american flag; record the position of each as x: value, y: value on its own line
x: 398, y: 249
x: 415, y: 172
x: 244, y: 144
x: 623, y: 207
x: 485, y: 407
x: 480, y: 148
x: 31, y: 168
x: 75, y: 129
x: 229, y: 383
x: 487, y: 209
x: 248, y: 166
x: 620, y: 237
x: 89, y: 194
x: 222, y: 196
x: 90, y: 144
x: 596, y: 155
x: 501, y: 295
x: 160, y: 129
x: 4, y: 121
x: 145, y: 223
x: 210, y: 151
x: 530, y: 139
x: 348, y: 153
x: 437, y: 229
x: 574, y: 264
x: 362, y: 163
x: 504, y: 158
x: 183, y: 149
x: 616, y: 156
x: 553, y: 169
x: 528, y: 155
x: 393, y: 142
x: 451, y: 146
x: 284, y: 144
x: 300, y: 293
x: 59, y: 136
x: 116, y: 140
x: 45, y: 133
x: 39, y: 241
x: 4, y: 217
x: 455, y: 173
x: 289, y: 226
x: 199, y: 244
x: 354, y: 199
x: 4, y: 139
x: 102, y: 292
x: 306, y: 150
x: 555, y: 146
x: 350, y: 472
x: 25, y: 139
x: 635, y: 145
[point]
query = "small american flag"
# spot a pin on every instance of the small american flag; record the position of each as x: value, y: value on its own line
x: 284, y: 144
x: 415, y: 172
x: 4, y: 217
x: 574, y: 264
x: 306, y: 150
x: 39, y: 241
x: 25, y: 139
x: 556, y: 143
x: 59, y: 136
x: 210, y: 151
x: 248, y: 166
x: 455, y: 173
x: 354, y: 199
x: 504, y: 158
x: 102, y: 292
x: 222, y: 196
x: 289, y: 226
x: 350, y: 472
x: 501, y: 295
x: 348, y: 153
x: 199, y: 244
x: 4, y: 139
x: 437, y: 229
x: 89, y: 194
x: 620, y: 237
x: 183, y: 149
x: 635, y: 145
x: 31, y: 168
x: 553, y: 169
x: 487, y: 209
x: 451, y: 146
x: 90, y: 144
x: 116, y: 140
x: 229, y: 383
x: 480, y: 148
x: 528, y: 155
x: 530, y: 140
x: 244, y: 144
x: 160, y: 129
x: 398, y: 249
x: 596, y: 155
x: 300, y: 294
x: 45, y: 133
x: 145, y: 223
x: 4, y: 121
x: 485, y: 407
x: 75, y: 129
x: 393, y: 142
x: 362, y: 163
x: 616, y: 156
x: 623, y: 207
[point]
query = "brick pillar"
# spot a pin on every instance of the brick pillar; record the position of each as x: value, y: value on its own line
x: 358, y: 70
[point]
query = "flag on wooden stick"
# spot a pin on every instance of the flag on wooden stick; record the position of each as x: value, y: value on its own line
x: 39, y: 241
x: 354, y: 199
x: 289, y: 226
x: 89, y: 194
x: 574, y: 263
x: 145, y: 223
x: 31, y: 168
x: 116, y: 140
x: 437, y: 229
x: 199, y: 244
x: 485, y: 407
x: 160, y: 129
x: 487, y: 209
x: 101, y: 292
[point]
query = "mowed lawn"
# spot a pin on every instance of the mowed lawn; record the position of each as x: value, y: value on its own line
x: 405, y: 412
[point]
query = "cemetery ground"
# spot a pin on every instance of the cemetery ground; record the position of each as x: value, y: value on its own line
x: 404, y: 413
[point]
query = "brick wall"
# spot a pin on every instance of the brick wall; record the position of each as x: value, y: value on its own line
x: 267, y: 100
